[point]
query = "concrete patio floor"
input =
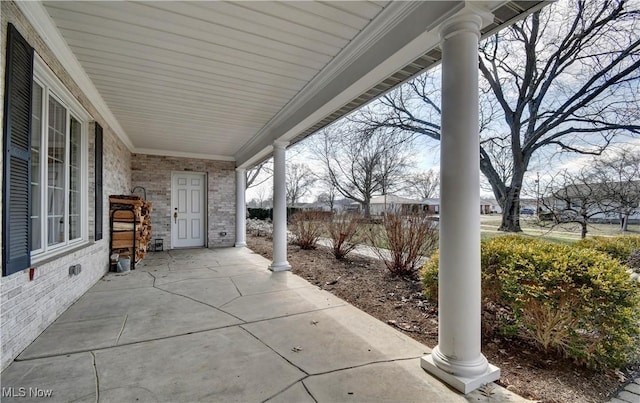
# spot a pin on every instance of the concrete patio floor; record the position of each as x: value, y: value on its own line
x: 216, y: 325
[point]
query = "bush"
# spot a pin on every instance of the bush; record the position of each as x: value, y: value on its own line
x: 260, y: 227
x: 619, y: 247
x: 307, y: 227
x: 633, y: 261
x: 369, y: 221
x: 260, y: 213
x: 578, y: 302
x: 429, y: 277
x: 344, y: 234
x: 291, y: 211
x: 408, y: 240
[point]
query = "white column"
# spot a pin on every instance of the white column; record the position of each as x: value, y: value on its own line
x: 280, y: 262
x: 241, y: 208
x: 457, y: 358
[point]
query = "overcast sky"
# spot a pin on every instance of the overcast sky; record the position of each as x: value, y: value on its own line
x: 427, y: 157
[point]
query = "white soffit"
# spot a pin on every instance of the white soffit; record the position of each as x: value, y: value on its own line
x: 202, y: 78
x: 223, y: 80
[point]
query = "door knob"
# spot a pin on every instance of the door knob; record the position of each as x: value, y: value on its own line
x: 175, y: 217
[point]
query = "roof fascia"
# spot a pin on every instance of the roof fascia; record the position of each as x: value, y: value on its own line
x: 401, y: 33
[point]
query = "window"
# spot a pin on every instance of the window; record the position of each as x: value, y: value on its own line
x: 45, y: 182
x: 58, y: 168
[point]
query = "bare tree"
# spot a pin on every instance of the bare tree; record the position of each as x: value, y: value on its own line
x: 360, y: 164
x: 327, y: 198
x: 425, y: 185
x: 264, y: 197
x: 606, y: 187
x: 566, y: 78
x: 619, y: 179
x: 573, y: 198
x: 259, y: 174
x: 300, y: 179
x: 328, y: 193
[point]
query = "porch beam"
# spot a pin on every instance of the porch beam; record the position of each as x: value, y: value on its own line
x: 457, y: 358
x: 241, y: 208
x: 280, y: 262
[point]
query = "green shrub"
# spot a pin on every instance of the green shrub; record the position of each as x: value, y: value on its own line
x: 619, y: 247
x: 633, y: 261
x: 260, y: 213
x: 429, y: 277
x: 576, y: 301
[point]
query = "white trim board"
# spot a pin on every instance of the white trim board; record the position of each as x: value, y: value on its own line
x: 45, y: 27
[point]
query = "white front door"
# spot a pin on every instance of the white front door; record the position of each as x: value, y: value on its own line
x: 187, y: 209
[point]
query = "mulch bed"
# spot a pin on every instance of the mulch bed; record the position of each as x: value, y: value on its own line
x: 368, y: 285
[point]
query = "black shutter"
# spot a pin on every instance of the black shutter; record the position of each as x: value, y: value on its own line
x: 16, y: 223
x: 98, y: 164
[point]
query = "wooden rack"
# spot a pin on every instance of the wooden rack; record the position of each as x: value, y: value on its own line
x: 115, y: 233
x: 130, y: 225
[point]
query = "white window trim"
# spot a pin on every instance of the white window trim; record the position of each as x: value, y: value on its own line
x: 50, y: 83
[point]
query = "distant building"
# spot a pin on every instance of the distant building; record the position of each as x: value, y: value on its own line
x: 403, y: 205
x: 431, y: 206
x: 489, y: 206
x: 394, y: 204
x: 603, y: 201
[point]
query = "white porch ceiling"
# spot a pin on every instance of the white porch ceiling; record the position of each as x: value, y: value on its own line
x: 226, y: 79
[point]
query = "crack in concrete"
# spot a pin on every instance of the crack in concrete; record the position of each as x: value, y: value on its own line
x: 304, y: 385
x: 286, y: 388
x: 236, y: 285
x: 126, y: 316
x: 200, y: 302
x: 190, y: 279
x: 272, y: 349
x: 168, y: 337
x: 228, y: 302
x: 154, y: 280
x: 193, y: 299
x: 281, y: 290
x: 288, y: 315
x: 242, y: 326
x: 366, y: 364
x: 307, y: 376
x: 131, y: 343
x: 95, y: 372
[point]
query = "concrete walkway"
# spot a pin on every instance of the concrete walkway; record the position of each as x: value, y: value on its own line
x: 630, y: 393
x: 216, y: 325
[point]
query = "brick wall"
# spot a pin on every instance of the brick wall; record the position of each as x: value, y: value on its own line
x: 154, y: 174
x: 28, y: 307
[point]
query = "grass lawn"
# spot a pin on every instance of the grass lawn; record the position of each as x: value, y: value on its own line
x: 551, y: 238
x: 564, y: 233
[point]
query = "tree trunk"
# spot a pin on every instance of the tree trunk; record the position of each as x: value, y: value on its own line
x: 511, y: 205
x: 511, y: 212
x: 624, y: 221
x: 583, y: 231
x: 367, y: 210
x: 511, y: 217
